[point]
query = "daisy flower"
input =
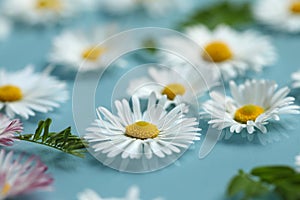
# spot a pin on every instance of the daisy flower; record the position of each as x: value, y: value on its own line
x: 36, y: 12
x: 178, y: 87
x: 282, y: 15
x: 8, y: 128
x: 135, y: 134
x: 132, y: 194
x: 25, y: 92
x: 252, y: 105
x: 5, y: 28
x: 154, y: 8
x: 296, y: 79
x: 224, y: 49
x: 297, y: 162
x: 81, y: 50
x: 17, y: 178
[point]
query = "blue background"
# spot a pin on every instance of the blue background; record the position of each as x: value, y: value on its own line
x: 189, y: 178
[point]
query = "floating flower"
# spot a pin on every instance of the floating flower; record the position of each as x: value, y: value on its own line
x: 224, y: 49
x: 252, y: 106
x: 297, y: 162
x: 17, y: 178
x: 282, y: 15
x: 5, y: 28
x: 135, y: 134
x: 132, y: 194
x: 154, y: 8
x: 8, y: 128
x: 177, y: 86
x: 36, y: 12
x: 25, y: 92
x: 296, y: 79
x: 81, y: 50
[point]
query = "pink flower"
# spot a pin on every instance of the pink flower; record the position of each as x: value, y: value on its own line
x: 8, y: 128
x: 18, y: 178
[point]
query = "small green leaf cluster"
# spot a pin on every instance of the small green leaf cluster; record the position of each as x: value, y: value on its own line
x: 282, y: 180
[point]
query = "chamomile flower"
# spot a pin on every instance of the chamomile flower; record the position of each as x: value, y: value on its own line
x: 296, y: 79
x: 25, y: 92
x: 154, y: 8
x: 132, y: 194
x: 5, y: 28
x: 36, y: 12
x: 252, y: 105
x: 297, y: 162
x: 8, y: 128
x: 228, y: 51
x: 17, y: 178
x: 282, y: 15
x: 135, y: 134
x: 179, y: 87
x: 80, y: 50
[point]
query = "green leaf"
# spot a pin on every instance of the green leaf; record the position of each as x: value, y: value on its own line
x: 243, y: 184
x: 150, y: 45
x: 63, y: 141
x: 271, y: 174
x: 289, y: 189
x: 225, y: 12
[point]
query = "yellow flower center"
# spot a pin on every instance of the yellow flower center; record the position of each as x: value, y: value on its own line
x: 248, y: 113
x: 6, y: 188
x: 295, y: 7
x: 142, y: 130
x: 172, y: 90
x: 93, y: 53
x: 10, y: 93
x: 49, y: 5
x: 217, y: 52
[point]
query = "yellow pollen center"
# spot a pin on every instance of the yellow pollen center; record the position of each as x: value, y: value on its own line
x: 49, y: 5
x: 248, y: 113
x: 172, y: 90
x: 217, y: 52
x: 295, y: 7
x: 142, y: 130
x: 10, y: 93
x: 5, y: 189
x: 93, y: 53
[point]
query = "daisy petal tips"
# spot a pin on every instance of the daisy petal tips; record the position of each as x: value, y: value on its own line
x: 136, y: 135
x: 25, y: 92
x: 8, y: 128
x: 251, y: 107
x: 17, y: 178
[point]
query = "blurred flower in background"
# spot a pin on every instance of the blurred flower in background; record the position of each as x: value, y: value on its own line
x: 5, y: 28
x: 17, y: 178
x: 281, y: 15
x: 25, y: 92
x: 296, y: 79
x: 227, y: 50
x: 81, y: 49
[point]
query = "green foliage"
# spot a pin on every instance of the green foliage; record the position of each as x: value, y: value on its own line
x: 282, y: 180
x: 63, y: 141
x: 150, y: 45
x: 224, y: 12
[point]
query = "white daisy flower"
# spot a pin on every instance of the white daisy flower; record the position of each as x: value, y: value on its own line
x: 179, y: 87
x: 18, y: 178
x: 154, y: 8
x: 36, y: 12
x: 5, y: 28
x: 224, y: 49
x: 297, y: 162
x: 252, y: 106
x: 134, y: 134
x: 25, y: 92
x: 296, y: 79
x: 282, y: 15
x: 80, y: 50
